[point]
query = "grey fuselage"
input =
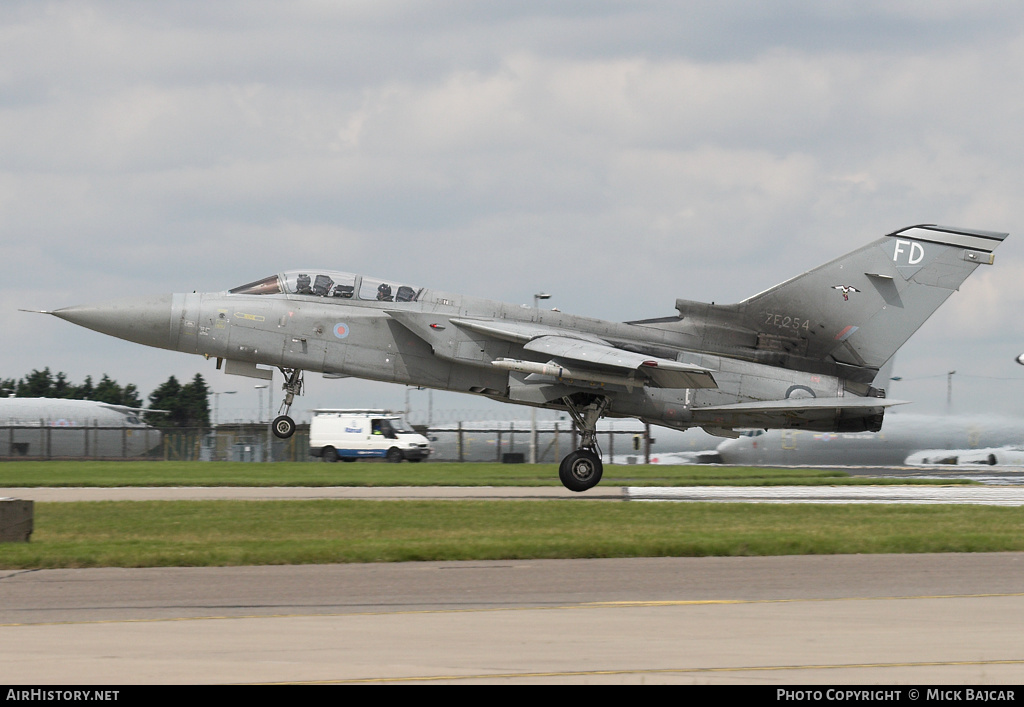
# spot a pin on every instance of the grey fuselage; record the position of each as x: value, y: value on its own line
x: 415, y: 343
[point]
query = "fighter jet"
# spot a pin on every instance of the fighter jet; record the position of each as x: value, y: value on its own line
x: 802, y: 355
x: 59, y: 428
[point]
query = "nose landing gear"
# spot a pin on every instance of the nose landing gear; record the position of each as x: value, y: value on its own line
x: 283, y: 425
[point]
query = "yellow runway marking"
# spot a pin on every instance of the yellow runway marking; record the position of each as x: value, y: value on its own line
x: 639, y: 604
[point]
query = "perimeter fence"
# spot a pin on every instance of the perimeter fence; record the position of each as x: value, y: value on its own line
x: 42, y: 441
x: 508, y: 442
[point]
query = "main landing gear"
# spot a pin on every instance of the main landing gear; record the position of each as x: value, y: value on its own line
x: 582, y: 469
x: 284, y: 426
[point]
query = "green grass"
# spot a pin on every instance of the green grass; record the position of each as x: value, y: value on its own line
x: 218, y: 533
x: 80, y: 473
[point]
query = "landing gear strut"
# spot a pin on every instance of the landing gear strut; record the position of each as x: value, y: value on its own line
x: 582, y: 469
x: 283, y: 425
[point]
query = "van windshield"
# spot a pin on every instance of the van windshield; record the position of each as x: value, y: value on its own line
x: 383, y: 428
x: 400, y: 426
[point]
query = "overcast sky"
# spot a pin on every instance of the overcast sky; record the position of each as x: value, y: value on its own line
x: 615, y: 154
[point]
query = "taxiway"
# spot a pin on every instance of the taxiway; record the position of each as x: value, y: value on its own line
x: 891, y: 619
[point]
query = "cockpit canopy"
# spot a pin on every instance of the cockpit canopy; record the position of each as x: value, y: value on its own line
x: 329, y: 283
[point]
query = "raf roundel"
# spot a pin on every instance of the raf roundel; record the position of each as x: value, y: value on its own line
x: 341, y: 330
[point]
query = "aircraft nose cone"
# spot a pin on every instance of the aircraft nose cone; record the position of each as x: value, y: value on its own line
x: 144, y: 320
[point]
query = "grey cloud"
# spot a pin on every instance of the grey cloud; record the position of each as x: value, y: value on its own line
x: 617, y: 154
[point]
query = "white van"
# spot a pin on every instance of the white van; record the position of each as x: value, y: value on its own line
x: 364, y: 434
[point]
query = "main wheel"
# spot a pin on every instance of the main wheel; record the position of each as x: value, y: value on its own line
x: 284, y: 427
x: 580, y: 470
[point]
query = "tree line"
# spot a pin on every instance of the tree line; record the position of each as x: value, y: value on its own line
x: 172, y: 404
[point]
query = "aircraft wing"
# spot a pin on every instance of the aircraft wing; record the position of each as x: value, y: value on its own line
x: 516, y: 332
x: 126, y: 409
x: 428, y: 326
x: 572, y: 350
x: 571, y: 355
x: 664, y: 373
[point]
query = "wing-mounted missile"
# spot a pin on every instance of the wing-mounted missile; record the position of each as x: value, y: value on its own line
x: 578, y: 356
x: 568, y: 376
x: 661, y: 373
x: 577, y: 364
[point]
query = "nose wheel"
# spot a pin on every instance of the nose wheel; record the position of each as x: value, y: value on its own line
x: 283, y: 425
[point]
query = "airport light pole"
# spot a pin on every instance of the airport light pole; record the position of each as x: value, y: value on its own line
x: 216, y: 416
x: 408, y: 405
x: 266, y: 444
x: 216, y: 403
x: 259, y: 413
x: 949, y: 392
x: 533, y: 411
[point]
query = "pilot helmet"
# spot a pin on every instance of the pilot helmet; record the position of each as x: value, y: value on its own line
x: 384, y: 291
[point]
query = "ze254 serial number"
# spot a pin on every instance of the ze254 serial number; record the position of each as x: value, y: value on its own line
x: 782, y: 321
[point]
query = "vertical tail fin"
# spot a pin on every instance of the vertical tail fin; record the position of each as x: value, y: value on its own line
x: 860, y: 308
x: 856, y: 310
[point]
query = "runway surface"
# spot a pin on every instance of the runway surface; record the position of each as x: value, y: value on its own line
x: 377, y: 493
x: 773, y: 621
x: 835, y: 620
x: 1002, y: 495
x: 977, y: 495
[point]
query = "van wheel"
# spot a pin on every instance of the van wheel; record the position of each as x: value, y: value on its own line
x: 394, y: 455
x: 328, y: 454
